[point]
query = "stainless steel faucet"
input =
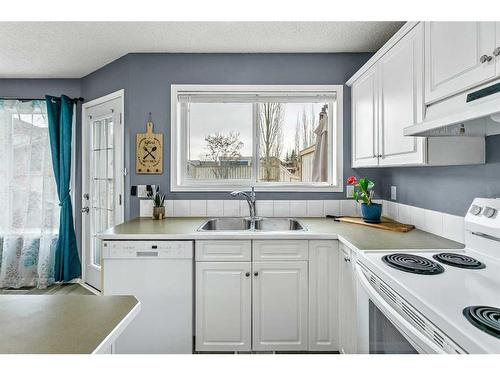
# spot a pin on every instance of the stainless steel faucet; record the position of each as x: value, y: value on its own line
x: 251, y: 199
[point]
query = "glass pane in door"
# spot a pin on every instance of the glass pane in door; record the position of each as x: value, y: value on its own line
x: 103, y: 182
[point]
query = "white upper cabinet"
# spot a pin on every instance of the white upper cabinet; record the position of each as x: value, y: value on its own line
x: 364, y: 120
x: 458, y: 56
x: 390, y: 92
x: 401, y: 101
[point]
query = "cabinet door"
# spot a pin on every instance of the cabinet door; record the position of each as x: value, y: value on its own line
x: 401, y: 100
x: 453, y: 53
x: 364, y: 120
x: 280, y: 306
x: 348, y: 309
x: 223, y: 306
x: 324, y: 281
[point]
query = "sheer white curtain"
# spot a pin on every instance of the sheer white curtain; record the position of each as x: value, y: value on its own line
x: 29, y: 210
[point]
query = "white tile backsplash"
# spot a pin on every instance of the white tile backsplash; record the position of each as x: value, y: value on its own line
x: 298, y: 208
x: 453, y: 227
x: 433, y: 222
x: 404, y: 214
x: 198, y: 208
x: 265, y: 208
x: 315, y: 208
x: 182, y: 207
x: 215, y: 208
x: 146, y: 207
x: 244, y: 210
x: 417, y: 215
x: 281, y: 208
x: 332, y: 207
x: 348, y: 207
x: 231, y: 208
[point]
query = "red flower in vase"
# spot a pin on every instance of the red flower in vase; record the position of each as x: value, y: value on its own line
x: 352, y: 180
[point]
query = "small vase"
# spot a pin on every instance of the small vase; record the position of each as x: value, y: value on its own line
x: 158, y: 213
x: 371, y: 212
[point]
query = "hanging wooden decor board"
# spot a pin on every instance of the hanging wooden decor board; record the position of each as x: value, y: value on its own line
x: 149, y: 151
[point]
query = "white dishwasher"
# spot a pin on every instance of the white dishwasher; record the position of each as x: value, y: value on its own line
x: 160, y: 275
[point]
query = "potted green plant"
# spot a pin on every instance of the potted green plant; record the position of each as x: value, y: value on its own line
x: 158, y: 205
x: 363, y: 192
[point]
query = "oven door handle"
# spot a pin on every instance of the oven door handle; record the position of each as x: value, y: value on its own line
x: 403, y: 325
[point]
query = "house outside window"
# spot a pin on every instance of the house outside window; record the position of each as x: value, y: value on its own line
x: 276, y: 138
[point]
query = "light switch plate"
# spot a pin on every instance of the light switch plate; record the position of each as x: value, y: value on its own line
x: 145, y: 191
x: 393, y: 193
x: 350, y: 191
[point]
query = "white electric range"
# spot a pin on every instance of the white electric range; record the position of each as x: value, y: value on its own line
x: 434, y: 301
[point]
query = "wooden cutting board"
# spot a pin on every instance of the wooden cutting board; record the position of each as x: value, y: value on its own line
x: 385, y: 224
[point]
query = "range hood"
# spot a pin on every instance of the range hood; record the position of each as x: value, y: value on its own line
x: 475, y: 113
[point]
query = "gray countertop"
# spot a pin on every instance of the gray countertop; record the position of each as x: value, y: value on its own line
x: 358, y: 236
x: 63, y: 324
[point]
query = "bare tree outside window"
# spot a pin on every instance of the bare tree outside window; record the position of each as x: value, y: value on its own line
x: 224, y: 151
x: 271, y: 116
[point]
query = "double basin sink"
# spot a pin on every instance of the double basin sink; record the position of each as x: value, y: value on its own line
x: 247, y: 224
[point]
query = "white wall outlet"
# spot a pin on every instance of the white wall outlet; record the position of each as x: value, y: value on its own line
x: 145, y: 191
x: 350, y: 191
x: 393, y: 193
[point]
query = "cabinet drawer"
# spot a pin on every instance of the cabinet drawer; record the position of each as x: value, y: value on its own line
x: 280, y: 250
x: 223, y: 250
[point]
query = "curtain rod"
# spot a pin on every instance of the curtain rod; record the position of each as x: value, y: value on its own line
x: 80, y: 99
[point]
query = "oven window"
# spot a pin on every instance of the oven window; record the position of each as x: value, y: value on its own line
x: 384, y: 337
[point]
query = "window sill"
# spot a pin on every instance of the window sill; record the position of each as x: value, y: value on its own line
x: 319, y: 188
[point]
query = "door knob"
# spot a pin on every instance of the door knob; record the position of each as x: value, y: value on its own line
x: 496, y: 51
x: 256, y: 274
x: 485, y: 58
x: 85, y: 210
x: 247, y: 274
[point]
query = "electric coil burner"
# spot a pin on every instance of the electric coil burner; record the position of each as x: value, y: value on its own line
x: 459, y: 260
x: 485, y: 318
x: 413, y: 264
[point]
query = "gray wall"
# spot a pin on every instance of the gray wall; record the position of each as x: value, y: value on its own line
x: 447, y: 189
x: 146, y: 79
x: 37, y: 89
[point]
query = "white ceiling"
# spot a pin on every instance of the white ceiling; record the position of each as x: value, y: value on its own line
x: 75, y: 49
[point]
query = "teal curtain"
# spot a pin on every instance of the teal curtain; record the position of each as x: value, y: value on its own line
x: 60, y: 115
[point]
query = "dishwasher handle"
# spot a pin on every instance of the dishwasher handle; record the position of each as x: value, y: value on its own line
x: 146, y: 253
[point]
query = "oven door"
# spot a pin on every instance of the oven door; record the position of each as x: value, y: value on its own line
x: 381, y: 328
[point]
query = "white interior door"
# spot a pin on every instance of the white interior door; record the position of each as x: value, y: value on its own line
x: 102, y: 177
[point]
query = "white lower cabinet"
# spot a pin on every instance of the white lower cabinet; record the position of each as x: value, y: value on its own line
x: 223, y: 306
x: 280, y: 306
x: 347, y: 303
x: 276, y: 304
x: 324, y: 278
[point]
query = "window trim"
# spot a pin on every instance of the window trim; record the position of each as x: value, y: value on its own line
x: 178, y: 135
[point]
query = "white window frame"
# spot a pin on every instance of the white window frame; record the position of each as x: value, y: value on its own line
x: 178, y: 181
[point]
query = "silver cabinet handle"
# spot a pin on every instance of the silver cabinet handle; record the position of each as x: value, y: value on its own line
x: 85, y: 210
x: 485, y: 58
x: 496, y: 51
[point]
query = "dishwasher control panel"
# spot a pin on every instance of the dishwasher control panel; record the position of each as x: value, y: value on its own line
x: 147, y: 249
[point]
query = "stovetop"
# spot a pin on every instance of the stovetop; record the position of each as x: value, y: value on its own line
x: 443, y: 295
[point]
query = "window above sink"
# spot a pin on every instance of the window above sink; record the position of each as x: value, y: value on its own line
x: 227, y: 137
